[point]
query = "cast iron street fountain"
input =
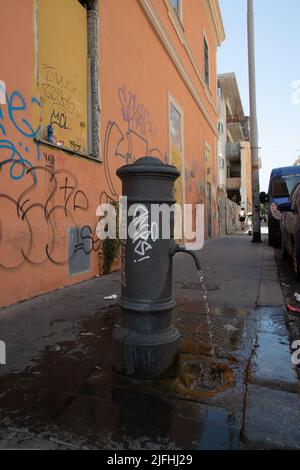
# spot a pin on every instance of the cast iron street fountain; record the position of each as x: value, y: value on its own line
x: 146, y: 344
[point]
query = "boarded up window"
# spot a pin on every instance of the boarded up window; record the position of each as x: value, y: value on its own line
x: 63, y: 72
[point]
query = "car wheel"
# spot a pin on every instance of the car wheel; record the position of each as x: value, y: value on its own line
x: 296, y: 267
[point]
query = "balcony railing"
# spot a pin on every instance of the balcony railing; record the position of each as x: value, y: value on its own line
x: 232, y: 119
x: 233, y: 183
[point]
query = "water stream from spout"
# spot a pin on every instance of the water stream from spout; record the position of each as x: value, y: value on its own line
x: 207, y: 311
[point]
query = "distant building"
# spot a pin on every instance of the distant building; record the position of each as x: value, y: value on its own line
x: 297, y: 162
x: 234, y: 153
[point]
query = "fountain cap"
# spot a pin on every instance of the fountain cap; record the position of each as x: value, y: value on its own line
x: 148, y: 166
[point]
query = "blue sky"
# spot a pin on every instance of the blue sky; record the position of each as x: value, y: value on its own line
x: 277, y: 31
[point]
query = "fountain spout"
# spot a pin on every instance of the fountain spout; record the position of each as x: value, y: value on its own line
x: 177, y: 249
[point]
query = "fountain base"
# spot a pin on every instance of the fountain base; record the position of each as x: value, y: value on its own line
x: 146, y: 355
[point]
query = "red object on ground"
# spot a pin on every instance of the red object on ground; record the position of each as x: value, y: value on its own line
x: 293, y: 309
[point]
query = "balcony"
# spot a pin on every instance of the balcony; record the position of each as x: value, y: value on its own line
x: 235, y: 129
x: 233, y: 150
x: 234, y: 183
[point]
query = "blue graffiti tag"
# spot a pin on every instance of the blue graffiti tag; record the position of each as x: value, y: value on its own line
x: 16, y: 105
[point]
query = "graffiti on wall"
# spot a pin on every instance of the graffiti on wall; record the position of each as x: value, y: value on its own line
x: 123, y: 144
x: 63, y: 108
x: 15, y: 151
x: 35, y: 216
x: 134, y: 113
x: 33, y: 222
x: 232, y: 216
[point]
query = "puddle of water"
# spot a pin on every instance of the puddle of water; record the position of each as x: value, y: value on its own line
x: 75, y: 389
x: 228, y: 311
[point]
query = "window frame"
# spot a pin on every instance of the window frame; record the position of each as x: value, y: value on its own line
x: 178, y: 9
x: 179, y: 109
x: 173, y: 102
x: 206, y: 61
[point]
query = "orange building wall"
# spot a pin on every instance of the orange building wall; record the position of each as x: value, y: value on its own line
x: 141, y: 73
x: 44, y: 190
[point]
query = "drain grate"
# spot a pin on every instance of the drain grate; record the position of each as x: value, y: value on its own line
x: 195, y: 286
x: 194, y: 330
x: 202, y: 378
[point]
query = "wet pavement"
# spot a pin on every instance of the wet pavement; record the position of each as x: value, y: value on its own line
x: 289, y: 287
x: 58, y: 389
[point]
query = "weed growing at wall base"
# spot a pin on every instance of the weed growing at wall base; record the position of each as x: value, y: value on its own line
x: 2, y: 353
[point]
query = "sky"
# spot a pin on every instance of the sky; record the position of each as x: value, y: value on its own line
x: 277, y: 42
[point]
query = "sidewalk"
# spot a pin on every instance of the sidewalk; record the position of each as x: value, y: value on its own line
x: 58, y: 389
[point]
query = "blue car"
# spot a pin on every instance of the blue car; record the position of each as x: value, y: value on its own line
x: 282, y: 182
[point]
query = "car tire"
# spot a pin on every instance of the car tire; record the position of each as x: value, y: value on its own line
x: 296, y: 266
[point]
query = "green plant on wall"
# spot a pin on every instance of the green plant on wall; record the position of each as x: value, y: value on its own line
x: 111, y: 247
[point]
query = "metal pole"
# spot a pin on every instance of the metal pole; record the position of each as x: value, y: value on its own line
x: 253, y: 126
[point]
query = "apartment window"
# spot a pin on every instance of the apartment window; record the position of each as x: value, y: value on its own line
x: 206, y: 62
x: 67, y: 52
x: 177, y: 5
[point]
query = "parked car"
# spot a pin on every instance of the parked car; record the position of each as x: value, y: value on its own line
x: 282, y: 182
x: 290, y: 229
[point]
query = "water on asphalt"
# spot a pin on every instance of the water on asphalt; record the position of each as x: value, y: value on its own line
x: 71, y: 388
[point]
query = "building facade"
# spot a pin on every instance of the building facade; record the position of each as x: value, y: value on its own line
x: 89, y: 86
x: 234, y: 154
